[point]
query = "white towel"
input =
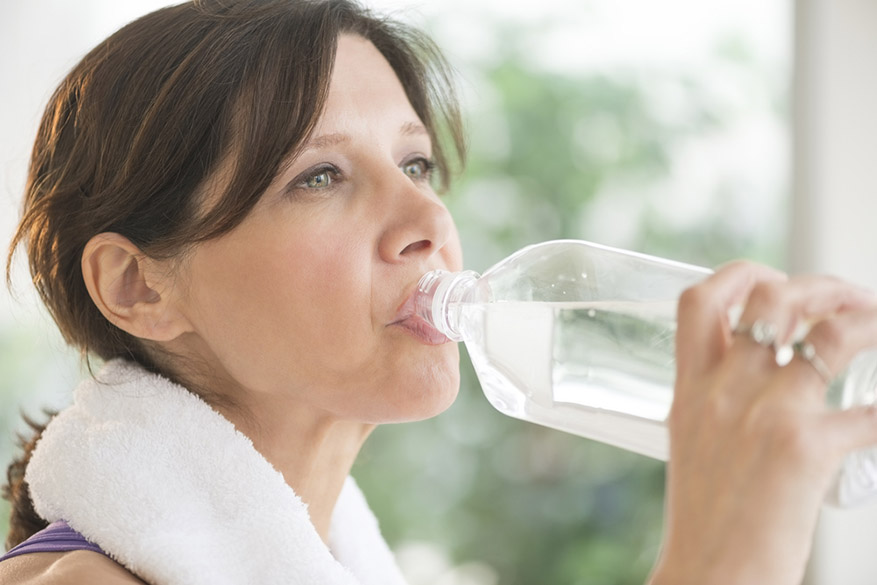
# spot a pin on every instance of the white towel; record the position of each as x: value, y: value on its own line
x: 171, y: 490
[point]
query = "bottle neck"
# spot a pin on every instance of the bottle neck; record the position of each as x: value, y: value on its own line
x: 441, y: 295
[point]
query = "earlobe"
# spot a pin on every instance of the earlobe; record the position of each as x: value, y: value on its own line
x: 122, y: 282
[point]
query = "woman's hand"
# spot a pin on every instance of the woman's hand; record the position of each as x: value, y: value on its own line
x: 753, y: 446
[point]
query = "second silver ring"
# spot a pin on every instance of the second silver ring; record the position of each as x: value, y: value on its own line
x: 806, y: 350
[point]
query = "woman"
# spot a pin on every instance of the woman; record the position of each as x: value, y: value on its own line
x: 230, y: 203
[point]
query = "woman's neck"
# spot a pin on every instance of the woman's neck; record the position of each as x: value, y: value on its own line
x: 314, y: 451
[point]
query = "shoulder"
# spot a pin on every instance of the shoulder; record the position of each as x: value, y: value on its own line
x: 79, y: 566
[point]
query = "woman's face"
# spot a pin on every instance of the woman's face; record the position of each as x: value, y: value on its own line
x: 302, y: 300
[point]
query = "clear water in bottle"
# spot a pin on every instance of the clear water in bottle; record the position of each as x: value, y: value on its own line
x: 602, y: 370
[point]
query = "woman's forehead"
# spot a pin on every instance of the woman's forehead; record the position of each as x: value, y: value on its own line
x: 366, y: 101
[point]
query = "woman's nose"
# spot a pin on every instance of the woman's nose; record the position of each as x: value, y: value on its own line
x: 419, y: 226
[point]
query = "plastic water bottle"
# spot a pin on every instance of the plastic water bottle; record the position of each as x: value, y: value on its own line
x: 579, y: 337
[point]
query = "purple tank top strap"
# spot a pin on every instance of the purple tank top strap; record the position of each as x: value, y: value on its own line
x: 56, y: 537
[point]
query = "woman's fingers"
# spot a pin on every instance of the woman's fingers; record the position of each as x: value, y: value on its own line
x: 702, y: 335
x: 804, y: 298
x: 828, y: 348
x: 771, y: 317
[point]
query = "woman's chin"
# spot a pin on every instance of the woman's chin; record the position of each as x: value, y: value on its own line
x: 434, y: 391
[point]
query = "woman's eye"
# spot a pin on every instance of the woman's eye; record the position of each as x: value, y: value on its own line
x: 318, y: 181
x: 419, y: 169
x: 320, y: 177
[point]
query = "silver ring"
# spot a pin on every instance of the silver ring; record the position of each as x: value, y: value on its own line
x: 806, y: 350
x: 764, y: 333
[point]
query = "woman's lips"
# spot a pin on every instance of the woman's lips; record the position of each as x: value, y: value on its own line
x: 407, y: 319
x: 422, y: 330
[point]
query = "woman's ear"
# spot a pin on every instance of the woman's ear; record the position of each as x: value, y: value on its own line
x: 131, y: 290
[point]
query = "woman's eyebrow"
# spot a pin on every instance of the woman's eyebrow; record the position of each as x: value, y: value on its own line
x: 413, y: 129
x: 334, y: 139
x: 325, y: 140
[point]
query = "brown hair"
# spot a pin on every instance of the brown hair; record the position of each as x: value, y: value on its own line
x: 144, y: 120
